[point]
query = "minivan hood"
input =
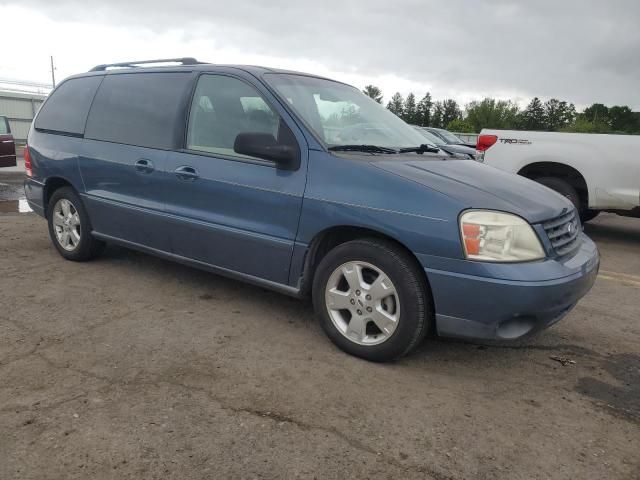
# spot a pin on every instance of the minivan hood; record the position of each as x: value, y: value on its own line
x: 476, y: 185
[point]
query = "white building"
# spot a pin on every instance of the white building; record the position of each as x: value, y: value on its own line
x: 20, y: 108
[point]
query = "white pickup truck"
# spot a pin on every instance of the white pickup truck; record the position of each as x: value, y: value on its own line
x: 596, y: 172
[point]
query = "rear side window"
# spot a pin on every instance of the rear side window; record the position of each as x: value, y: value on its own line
x: 65, y: 111
x: 140, y: 109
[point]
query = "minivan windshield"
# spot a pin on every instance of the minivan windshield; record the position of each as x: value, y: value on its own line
x: 430, y: 136
x: 342, y: 115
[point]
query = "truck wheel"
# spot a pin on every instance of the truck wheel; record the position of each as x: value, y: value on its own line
x: 588, y: 214
x: 371, y: 299
x: 565, y: 189
x: 70, y: 228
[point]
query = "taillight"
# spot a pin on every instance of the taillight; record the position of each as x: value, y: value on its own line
x: 27, y: 161
x: 485, y: 142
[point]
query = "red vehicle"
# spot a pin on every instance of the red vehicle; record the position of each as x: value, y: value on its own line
x: 7, y: 145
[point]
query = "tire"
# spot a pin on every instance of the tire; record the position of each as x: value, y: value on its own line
x: 565, y: 189
x: 403, y: 295
x: 66, y: 214
x: 588, y: 215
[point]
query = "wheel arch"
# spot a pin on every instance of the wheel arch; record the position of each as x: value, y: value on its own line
x: 560, y: 170
x: 333, y: 236
x: 50, y: 186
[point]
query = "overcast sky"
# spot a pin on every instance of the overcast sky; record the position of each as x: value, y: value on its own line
x: 580, y: 51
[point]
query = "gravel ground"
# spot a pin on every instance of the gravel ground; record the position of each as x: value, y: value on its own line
x: 134, y: 367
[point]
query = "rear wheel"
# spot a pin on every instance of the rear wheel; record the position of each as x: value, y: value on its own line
x: 588, y: 214
x: 371, y: 299
x: 565, y: 189
x: 70, y: 227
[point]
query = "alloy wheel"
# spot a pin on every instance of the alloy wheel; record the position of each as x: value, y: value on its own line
x: 66, y: 224
x: 362, y: 302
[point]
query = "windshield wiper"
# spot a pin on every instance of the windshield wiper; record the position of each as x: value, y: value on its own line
x: 425, y: 147
x: 362, y: 148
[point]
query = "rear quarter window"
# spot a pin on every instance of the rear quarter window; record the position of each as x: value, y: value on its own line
x: 66, y: 109
x: 143, y: 109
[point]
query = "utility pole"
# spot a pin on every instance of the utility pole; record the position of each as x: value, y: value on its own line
x: 53, y: 74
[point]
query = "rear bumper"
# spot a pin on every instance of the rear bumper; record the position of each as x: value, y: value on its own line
x: 34, y: 193
x: 476, y: 307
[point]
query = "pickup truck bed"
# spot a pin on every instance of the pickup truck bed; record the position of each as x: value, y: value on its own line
x: 597, y: 172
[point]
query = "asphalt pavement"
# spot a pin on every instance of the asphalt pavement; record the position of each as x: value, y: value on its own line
x: 130, y: 366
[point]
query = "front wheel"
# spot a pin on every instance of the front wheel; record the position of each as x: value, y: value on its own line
x: 372, y: 299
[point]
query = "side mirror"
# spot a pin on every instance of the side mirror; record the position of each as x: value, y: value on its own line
x: 265, y: 146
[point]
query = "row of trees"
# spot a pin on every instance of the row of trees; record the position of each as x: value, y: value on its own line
x: 553, y: 115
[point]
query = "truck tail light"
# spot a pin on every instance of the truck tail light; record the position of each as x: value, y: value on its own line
x: 27, y: 161
x: 484, y: 143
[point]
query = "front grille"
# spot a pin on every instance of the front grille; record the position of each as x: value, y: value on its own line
x: 564, y: 233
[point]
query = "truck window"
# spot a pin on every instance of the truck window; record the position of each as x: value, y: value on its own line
x: 65, y: 111
x: 4, y: 126
x: 140, y: 109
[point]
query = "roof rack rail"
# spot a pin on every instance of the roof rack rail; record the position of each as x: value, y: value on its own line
x: 182, y: 61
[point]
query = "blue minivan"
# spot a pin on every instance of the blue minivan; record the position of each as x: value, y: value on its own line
x: 306, y: 186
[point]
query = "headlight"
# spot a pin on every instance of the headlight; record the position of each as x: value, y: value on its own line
x: 498, y: 237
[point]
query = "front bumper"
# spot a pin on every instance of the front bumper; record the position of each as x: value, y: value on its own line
x: 516, y: 301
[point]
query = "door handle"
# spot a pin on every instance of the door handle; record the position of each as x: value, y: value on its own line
x: 144, y: 166
x: 186, y: 173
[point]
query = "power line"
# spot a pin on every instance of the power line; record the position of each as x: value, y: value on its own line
x: 25, y: 83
